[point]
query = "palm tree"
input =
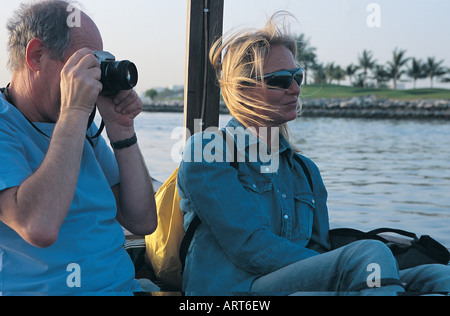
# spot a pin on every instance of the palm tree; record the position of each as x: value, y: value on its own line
x: 320, y: 74
x: 306, y: 55
x: 381, y: 75
x: 333, y: 72
x: 398, y: 61
x: 330, y: 69
x: 416, y: 71
x: 446, y: 79
x: 434, y: 69
x: 339, y: 74
x: 366, y: 63
x: 350, y: 71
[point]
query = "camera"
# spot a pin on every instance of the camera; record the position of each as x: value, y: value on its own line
x: 116, y: 75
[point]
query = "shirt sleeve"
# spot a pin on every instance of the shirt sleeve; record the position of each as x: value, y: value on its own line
x: 14, y: 167
x: 214, y: 192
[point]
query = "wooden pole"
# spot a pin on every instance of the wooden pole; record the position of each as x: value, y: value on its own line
x: 202, y: 92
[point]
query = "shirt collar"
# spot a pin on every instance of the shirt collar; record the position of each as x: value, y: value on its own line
x: 239, y: 129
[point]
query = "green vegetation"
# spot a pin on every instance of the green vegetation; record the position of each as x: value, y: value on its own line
x: 366, y: 77
x: 317, y: 91
x: 368, y: 73
x: 324, y: 91
x: 166, y: 94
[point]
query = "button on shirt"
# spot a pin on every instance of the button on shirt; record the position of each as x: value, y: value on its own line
x: 253, y: 222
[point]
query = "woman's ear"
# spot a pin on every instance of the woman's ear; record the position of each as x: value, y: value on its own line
x: 35, y: 50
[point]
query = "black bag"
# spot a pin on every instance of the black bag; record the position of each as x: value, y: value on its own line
x: 408, y: 253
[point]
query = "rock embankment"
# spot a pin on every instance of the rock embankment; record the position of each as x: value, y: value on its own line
x: 357, y: 107
x: 371, y: 107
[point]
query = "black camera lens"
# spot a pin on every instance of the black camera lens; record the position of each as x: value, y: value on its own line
x: 117, y: 76
x: 127, y: 75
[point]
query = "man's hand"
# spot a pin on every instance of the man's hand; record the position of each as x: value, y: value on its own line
x: 136, y: 209
x: 119, y: 113
x: 80, y: 82
x: 38, y: 207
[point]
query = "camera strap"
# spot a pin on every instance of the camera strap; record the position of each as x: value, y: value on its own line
x: 91, y: 117
x: 91, y: 120
x: 8, y: 98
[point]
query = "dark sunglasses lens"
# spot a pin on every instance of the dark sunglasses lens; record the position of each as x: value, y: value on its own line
x: 299, y: 78
x: 282, y: 82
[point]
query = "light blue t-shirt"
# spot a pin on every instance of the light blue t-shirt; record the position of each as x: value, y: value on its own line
x: 88, y: 258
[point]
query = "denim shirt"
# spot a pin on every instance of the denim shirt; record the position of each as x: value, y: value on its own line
x: 253, y: 222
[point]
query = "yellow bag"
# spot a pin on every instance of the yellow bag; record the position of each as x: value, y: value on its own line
x: 162, y: 247
x: 167, y: 247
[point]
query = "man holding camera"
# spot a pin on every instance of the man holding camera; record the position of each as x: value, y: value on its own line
x: 63, y: 193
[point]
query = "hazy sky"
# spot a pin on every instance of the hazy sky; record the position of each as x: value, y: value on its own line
x: 152, y: 33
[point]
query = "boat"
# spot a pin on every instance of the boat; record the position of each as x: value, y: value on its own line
x: 201, y: 102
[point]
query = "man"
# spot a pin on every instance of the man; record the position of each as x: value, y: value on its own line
x: 64, y: 195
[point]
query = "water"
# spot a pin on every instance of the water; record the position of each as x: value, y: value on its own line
x: 379, y: 173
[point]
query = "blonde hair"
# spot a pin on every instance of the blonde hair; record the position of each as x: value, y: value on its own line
x: 244, y: 54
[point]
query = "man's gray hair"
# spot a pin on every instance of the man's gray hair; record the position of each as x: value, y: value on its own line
x: 46, y: 20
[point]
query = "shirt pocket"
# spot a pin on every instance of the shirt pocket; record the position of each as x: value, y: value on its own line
x: 304, y: 206
x: 260, y: 191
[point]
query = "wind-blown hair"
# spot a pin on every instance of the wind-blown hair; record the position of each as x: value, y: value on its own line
x: 46, y: 20
x: 244, y: 54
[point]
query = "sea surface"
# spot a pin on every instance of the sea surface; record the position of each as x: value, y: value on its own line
x: 378, y: 173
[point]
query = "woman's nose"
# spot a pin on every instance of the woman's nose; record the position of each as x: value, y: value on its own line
x: 295, y: 88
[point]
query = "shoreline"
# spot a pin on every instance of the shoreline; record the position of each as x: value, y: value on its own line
x: 356, y: 107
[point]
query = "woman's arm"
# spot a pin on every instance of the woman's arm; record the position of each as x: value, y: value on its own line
x: 217, y: 196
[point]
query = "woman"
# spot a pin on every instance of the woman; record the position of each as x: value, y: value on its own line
x: 264, y: 226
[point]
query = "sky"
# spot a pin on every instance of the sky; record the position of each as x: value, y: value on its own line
x: 152, y: 33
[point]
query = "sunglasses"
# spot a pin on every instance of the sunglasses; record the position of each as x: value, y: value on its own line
x: 283, y: 79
